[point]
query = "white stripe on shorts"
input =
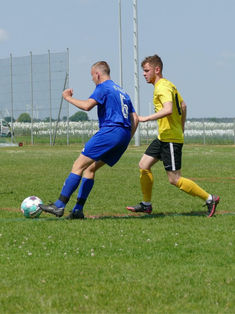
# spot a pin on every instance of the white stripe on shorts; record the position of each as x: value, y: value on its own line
x: 172, y: 156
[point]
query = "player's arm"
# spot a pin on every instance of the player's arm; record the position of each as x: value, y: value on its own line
x: 86, y: 105
x: 184, y: 114
x: 165, y: 111
x: 134, y: 122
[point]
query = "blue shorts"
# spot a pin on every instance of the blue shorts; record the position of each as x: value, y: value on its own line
x: 108, y: 144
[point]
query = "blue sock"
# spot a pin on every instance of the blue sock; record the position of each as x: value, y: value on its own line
x: 84, y: 191
x: 70, y: 185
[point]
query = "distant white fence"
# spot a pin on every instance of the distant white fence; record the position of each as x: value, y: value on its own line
x: 195, y: 132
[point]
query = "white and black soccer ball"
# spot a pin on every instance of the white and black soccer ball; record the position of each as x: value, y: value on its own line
x: 30, y: 207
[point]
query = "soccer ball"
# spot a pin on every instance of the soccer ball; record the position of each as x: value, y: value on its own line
x: 30, y: 207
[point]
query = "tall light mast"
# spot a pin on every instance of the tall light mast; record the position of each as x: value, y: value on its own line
x: 136, y: 72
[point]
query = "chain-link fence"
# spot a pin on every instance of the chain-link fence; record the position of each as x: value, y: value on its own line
x: 198, y: 132
x: 31, y: 89
x: 31, y: 102
x: 201, y: 131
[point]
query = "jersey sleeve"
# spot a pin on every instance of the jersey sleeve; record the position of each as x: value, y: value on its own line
x: 131, y: 108
x: 165, y: 94
x: 99, y: 95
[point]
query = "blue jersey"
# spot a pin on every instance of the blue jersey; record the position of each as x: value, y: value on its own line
x: 114, y: 105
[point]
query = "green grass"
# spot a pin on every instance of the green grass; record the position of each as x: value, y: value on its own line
x: 175, y: 261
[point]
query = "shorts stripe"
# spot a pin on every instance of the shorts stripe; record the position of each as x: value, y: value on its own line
x: 172, y: 156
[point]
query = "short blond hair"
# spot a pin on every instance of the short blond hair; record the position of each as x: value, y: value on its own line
x: 102, y: 66
x: 154, y: 60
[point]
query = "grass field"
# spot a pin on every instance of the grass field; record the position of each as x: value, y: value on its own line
x: 174, y: 261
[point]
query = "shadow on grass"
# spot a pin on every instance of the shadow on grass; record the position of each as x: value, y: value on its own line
x: 121, y: 216
x: 157, y: 215
x: 145, y: 216
x: 130, y: 216
x: 106, y: 217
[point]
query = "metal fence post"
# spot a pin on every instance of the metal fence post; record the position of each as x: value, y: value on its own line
x: 204, y: 132
x: 31, y: 82
x: 234, y: 130
x: 49, y: 77
x: 61, y: 103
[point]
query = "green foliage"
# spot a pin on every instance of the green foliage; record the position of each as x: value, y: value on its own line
x: 24, y: 117
x: 79, y: 116
x: 174, y: 261
x: 8, y: 119
x: 47, y: 119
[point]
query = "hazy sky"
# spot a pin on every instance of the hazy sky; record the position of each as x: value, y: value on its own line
x: 195, y: 39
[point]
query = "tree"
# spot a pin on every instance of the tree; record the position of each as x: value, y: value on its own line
x: 79, y: 116
x: 24, y: 117
x: 8, y: 119
x: 47, y: 119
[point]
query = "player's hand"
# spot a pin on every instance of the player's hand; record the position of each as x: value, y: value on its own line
x: 67, y: 93
x: 142, y: 119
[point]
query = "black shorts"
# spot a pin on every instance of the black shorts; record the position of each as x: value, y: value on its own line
x: 169, y: 153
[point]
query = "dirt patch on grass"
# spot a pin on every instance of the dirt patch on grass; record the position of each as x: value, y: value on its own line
x: 214, y: 179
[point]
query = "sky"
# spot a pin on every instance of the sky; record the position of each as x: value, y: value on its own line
x: 194, y: 38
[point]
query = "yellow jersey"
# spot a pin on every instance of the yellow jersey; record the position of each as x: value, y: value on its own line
x: 170, y: 127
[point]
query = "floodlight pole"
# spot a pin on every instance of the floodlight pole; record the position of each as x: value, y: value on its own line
x: 12, y: 102
x: 136, y: 72
x: 120, y: 44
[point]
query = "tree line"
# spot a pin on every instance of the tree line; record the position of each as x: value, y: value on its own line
x: 25, y: 117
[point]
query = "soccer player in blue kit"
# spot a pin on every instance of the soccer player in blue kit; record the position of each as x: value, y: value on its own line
x: 117, y: 122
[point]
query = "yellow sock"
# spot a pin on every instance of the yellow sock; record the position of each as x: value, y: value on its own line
x: 191, y: 188
x: 146, y: 182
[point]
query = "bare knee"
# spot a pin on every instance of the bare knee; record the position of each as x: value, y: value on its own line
x: 173, y: 176
x: 81, y: 164
x: 172, y: 181
x: 142, y: 165
x: 78, y: 169
x: 89, y: 173
x: 146, y: 162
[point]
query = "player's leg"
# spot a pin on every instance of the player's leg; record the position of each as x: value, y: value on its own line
x: 81, y: 164
x: 146, y: 183
x: 146, y: 177
x: 107, y: 147
x: 85, y: 189
x: 172, y: 161
x: 190, y: 187
x: 150, y: 157
x: 69, y: 186
x: 187, y: 185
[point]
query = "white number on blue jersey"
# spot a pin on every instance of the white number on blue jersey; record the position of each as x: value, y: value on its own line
x: 124, y: 107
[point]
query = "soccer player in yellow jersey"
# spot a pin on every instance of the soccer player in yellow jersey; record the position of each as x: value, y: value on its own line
x: 170, y: 113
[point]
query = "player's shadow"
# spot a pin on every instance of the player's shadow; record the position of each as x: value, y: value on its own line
x: 130, y: 216
x: 148, y: 216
